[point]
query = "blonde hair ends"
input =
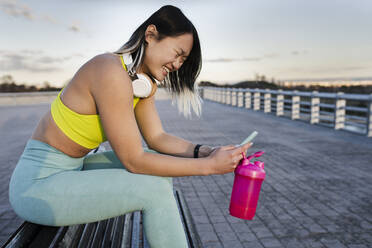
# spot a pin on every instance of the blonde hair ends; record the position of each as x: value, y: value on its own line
x: 187, y: 100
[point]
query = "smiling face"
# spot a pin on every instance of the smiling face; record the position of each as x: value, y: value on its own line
x: 166, y: 55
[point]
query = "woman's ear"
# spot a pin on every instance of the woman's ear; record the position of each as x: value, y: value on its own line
x: 151, y: 33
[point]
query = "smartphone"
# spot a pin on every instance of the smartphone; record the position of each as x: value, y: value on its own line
x: 249, y: 138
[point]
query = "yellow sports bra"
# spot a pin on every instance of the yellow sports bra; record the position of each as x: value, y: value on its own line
x: 86, y: 130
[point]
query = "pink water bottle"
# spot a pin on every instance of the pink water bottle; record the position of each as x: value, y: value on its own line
x: 247, y: 185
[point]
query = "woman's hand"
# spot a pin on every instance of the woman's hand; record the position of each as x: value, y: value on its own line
x: 224, y: 159
x: 205, y: 150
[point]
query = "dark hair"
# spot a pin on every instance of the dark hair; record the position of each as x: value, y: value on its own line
x: 171, y: 22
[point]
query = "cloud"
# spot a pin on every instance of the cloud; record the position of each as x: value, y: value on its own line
x: 337, y: 69
x: 74, y: 28
x: 296, y: 52
x: 271, y: 55
x: 49, y: 19
x: 13, y: 8
x: 17, y: 9
x: 29, y: 60
x: 324, y: 70
x: 50, y: 60
x: 219, y: 60
x: 251, y: 59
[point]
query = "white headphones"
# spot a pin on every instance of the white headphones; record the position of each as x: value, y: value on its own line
x: 142, y: 86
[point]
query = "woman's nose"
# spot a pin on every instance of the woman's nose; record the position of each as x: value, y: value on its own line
x: 177, y: 64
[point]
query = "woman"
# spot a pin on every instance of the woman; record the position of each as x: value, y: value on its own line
x: 56, y: 183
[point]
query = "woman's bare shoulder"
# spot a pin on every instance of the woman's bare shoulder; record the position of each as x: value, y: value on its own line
x: 107, y: 74
x: 106, y: 69
x: 106, y: 61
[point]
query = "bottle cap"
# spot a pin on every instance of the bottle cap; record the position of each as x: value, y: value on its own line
x: 248, y: 169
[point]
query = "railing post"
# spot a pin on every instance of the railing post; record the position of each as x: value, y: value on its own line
x: 220, y: 95
x: 295, y: 106
x: 226, y: 95
x: 201, y: 92
x: 223, y: 95
x: 248, y: 99
x: 315, y: 107
x: 256, y: 100
x: 369, y: 117
x: 279, y: 103
x: 237, y: 94
x: 339, y: 117
x: 233, y: 96
x: 243, y: 98
x: 239, y: 98
x: 267, y: 102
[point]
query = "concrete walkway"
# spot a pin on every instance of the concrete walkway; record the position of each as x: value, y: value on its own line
x: 318, y: 190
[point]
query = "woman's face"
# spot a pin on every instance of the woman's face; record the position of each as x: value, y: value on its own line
x: 166, y: 55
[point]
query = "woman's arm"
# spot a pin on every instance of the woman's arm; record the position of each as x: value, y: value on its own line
x: 173, y: 145
x: 157, y: 139
x: 113, y: 95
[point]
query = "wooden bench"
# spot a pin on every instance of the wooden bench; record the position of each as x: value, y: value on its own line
x: 123, y: 231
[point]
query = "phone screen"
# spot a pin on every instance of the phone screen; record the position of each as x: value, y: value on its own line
x: 249, y: 138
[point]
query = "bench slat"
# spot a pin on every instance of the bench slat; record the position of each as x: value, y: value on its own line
x: 87, y: 235
x: 72, y: 236
x: 107, y: 234
x: 44, y: 237
x: 59, y: 236
x: 127, y: 231
x: 118, y: 230
x: 98, y: 234
x: 24, y: 235
x: 135, y: 231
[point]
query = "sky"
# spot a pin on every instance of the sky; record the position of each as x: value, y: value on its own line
x: 49, y: 40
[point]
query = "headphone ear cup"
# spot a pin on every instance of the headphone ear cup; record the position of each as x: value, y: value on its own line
x: 142, y: 87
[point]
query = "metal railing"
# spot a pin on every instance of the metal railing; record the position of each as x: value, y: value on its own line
x: 351, y: 112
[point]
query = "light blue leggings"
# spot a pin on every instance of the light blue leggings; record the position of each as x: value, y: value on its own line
x: 50, y: 188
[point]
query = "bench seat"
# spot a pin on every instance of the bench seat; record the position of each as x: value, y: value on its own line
x: 123, y: 231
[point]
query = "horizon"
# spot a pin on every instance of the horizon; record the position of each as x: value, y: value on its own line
x: 287, y: 40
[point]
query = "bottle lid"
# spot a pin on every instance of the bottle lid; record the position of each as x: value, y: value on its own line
x: 252, y: 170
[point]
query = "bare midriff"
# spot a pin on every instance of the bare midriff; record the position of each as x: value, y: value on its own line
x: 48, y: 132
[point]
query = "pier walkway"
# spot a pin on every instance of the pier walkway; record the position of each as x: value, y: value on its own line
x: 317, y: 193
